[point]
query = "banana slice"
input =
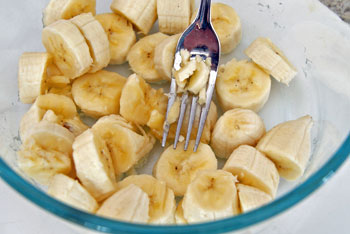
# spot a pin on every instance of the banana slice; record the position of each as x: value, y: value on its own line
x: 161, y: 199
x: 59, y: 85
x: 141, y: 57
x: 269, y: 57
x: 70, y: 51
x: 179, y: 214
x: 251, y: 198
x: 242, y: 84
x: 128, y: 204
x: 234, y: 128
x: 227, y: 25
x: 96, y: 39
x: 253, y: 168
x: 173, y: 15
x: 178, y: 167
x: 71, y: 192
x: 212, y: 195
x: 142, y: 13
x: 98, y: 94
x: 94, y: 165
x: 127, y: 143
x: 32, y: 75
x: 120, y: 34
x: 288, y: 146
x: 164, y: 54
x: 66, y: 9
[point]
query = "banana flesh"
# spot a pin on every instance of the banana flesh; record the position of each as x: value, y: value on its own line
x: 179, y: 214
x: 251, y: 198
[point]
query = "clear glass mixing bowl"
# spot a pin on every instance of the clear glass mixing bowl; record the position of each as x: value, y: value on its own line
x: 316, y: 41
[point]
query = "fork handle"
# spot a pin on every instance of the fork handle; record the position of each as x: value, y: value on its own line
x: 203, y: 17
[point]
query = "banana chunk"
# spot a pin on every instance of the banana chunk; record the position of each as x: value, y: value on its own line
x: 179, y: 214
x: 269, y: 57
x: 161, y: 198
x: 71, y: 192
x: 128, y: 204
x: 253, y: 168
x: 66, y: 9
x: 212, y: 195
x: 32, y: 75
x: 98, y: 94
x: 178, y: 167
x: 288, y: 146
x: 142, y: 13
x: 68, y: 47
x: 96, y: 39
x: 141, y: 57
x: 234, y: 128
x: 251, y: 198
x: 94, y: 165
x: 120, y: 34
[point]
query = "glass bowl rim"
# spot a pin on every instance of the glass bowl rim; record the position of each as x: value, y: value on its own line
x: 234, y: 223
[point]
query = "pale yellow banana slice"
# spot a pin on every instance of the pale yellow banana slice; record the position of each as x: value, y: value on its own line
x: 94, y: 165
x: 269, y: 57
x: 128, y: 204
x: 178, y: 167
x: 32, y: 75
x: 96, y: 39
x: 142, y: 13
x: 288, y: 146
x: 120, y: 34
x: 71, y: 192
x: 173, y: 15
x: 68, y: 47
x: 164, y: 54
x: 253, y: 168
x: 127, y: 143
x: 161, y: 198
x: 141, y: 57
x: 251, y: 198
x: 234, y: 128
x: 212, y: 195
x: 98, y: 94
x: 227, y: 25
x: 66, y: 9
x: 242, y: 84
x: 179, y: 214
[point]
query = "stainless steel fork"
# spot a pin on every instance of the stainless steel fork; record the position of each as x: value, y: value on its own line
x: 199, y: 39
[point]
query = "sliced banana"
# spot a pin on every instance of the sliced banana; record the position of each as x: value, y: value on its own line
x: 71, y: 192
x: 178, y: 167
x: 98, y: 94
x: 212, y: 195
x: 68, y: 47
x: 161, y: 198
x: 142, y: 13
x: 288, y: 146
x: 66, y: 9
x: 120, y: 34
x: 234, y: 128
x: 96, y: 39
x: 199, y: 78
x: 141, y: 57
x: 60, y: 85
x: 253, y: 168
x: 32, y: 75
x: 179, y: 214
x: 52, y: 70
x: 251, y: 198
x: 128, y: 204
x: 269, y: 57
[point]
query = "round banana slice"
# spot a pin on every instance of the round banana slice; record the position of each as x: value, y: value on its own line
x: 98, y: 94
x: 234, y: 128
x: 141, y: 57
x: 251, y: 198
x: 162, y: 203
x: 288, y: 146
x: 253, y: 168
x: 242, y: 84
x: 212, y: 195
x: 120, y: 34
x: 68, y: 47
x: 179, y: 214
x: 178, y: 167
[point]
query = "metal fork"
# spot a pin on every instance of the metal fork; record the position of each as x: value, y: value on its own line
x: 200, y: 39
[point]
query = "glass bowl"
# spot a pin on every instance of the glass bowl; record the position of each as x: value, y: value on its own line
x: 316, y: 41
